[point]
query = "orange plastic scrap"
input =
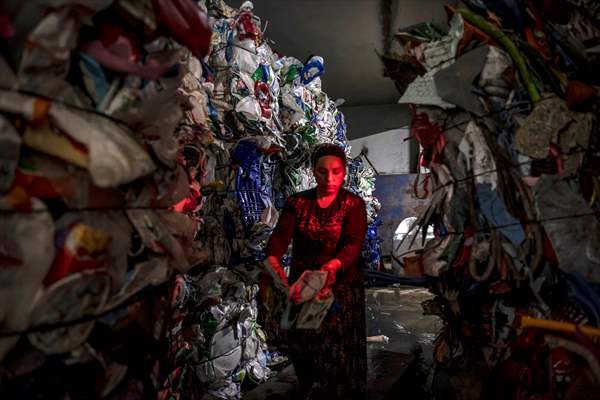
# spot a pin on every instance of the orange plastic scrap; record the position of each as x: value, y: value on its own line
x: 18, y: 199
x: 41, y: 109
x: 536, y: 36
x: 526, y: 322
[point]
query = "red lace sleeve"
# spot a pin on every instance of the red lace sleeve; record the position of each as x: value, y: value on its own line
x: 282, y: 234
x: 354, y: 229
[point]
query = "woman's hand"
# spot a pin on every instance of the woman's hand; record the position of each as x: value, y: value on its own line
x: 331, y: 267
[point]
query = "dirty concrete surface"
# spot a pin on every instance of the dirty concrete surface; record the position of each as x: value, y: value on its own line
x: 400, y: 368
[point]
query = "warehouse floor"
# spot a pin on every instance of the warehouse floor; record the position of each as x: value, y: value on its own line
x: 400, y: 364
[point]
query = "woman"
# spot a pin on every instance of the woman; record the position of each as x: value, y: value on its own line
x: 328, y: 226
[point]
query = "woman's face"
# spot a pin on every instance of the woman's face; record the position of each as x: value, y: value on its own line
x: 329, y: 173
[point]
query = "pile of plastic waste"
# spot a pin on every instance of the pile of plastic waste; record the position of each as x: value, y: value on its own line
x: 93, y: 164
x: 269, y: 112
x: 505, y: 109
x: 146, y: 148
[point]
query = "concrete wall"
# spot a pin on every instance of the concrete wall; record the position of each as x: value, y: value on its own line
x: 388, y: 151
x: 368, y: 120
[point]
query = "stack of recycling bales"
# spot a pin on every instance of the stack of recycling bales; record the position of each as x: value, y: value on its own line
x: 145, y: 157
x: 505, y: 108
x: 94, y: 162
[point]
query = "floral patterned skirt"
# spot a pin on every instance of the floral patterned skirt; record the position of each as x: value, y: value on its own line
x: 335, y: 355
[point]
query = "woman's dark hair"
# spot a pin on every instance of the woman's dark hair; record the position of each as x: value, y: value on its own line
x: 327, y: 149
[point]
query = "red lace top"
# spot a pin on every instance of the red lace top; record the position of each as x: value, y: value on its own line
x: 321, y: 234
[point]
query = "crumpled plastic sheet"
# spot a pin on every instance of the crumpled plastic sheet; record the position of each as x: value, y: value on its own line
x: 478, y: 156
x: 454, y: 83
x: 439, y: 54
x: 76, y: 296
x: 575, y: 244
x: 29, y: 241
x: 436, y: 55
x: 312, y: 69
x: 423, y: 91
x: 10, y: 149
x: 45, y: 64
x: 491, y: 77
x: 494, y: 210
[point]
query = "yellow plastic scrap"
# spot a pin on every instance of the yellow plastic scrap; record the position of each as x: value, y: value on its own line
x: 557, y: 326
x: 52, y: 141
